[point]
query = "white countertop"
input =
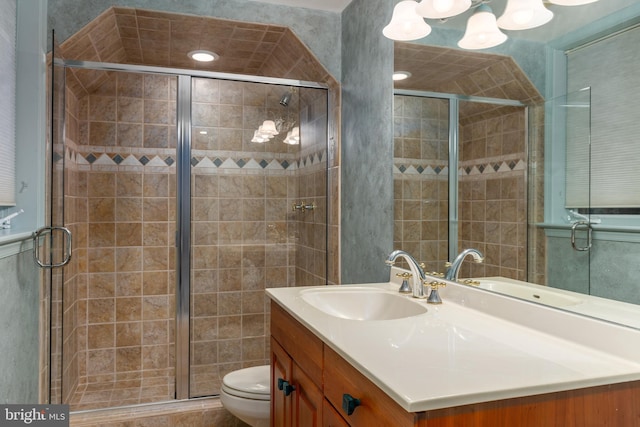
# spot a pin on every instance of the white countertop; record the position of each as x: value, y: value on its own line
x: 476, y: 347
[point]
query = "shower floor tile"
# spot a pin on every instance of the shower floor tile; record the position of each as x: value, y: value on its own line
x: 121, y: 393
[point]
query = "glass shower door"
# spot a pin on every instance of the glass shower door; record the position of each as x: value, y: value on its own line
x: 568, y: 223
x: 54, y: 216
x: 258, y: 215
x: 113, y: 314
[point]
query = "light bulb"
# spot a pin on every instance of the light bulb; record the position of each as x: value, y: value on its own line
x: 203, y: 55
x: 401, y: 75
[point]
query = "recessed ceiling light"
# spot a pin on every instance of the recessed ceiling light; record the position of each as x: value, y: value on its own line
x: 202, y: 55
x: 401, y: 75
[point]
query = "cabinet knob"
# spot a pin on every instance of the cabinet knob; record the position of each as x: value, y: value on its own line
x: 286, y: 387
x: 349, y: 403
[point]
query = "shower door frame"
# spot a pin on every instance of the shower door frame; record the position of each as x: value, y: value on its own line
x: 183, y: 187
x: 454, y: 153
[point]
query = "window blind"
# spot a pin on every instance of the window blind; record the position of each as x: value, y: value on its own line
x: 7, y: 101
x: 610, y: 67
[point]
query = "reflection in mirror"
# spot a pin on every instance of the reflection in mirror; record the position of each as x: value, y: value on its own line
x: 421, y: 178
x: 489, y: 158
x: 594, y: 179
x: 527, y: 236
x: 482, y: 204
x: 492, y: 198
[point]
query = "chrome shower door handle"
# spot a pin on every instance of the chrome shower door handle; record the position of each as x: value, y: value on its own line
x: 41, y: 232
x: 589, y: 229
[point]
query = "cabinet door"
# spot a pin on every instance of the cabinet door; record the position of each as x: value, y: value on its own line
x: 331, y: 417
x: 307, y: 406
x: 281, y: 370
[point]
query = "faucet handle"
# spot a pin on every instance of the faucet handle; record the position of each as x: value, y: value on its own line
x: 471, y: 282
x: 404, y: 288
x: 435, y: 274
x: 448, y: 264
x: 434, y: 297
x: 435, y: 284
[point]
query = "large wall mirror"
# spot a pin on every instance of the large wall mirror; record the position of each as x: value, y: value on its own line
x: 528, y: 158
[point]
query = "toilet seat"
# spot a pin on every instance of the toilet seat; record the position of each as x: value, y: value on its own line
x: 249, y: 383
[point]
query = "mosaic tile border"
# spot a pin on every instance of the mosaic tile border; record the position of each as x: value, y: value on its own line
x: 405, y: 169
x: 493, y: 168
x: 211, y: 161
x: 486, y: 168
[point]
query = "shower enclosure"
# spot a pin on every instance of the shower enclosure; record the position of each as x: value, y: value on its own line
x: 460, y: 168
x: 180, y: 220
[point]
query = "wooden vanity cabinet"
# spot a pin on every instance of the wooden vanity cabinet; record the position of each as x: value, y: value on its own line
x: 321, y: 378
x: 296, y: 373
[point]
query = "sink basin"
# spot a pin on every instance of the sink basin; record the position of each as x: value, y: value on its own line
x: 530, y: 293
x: 362, y: 303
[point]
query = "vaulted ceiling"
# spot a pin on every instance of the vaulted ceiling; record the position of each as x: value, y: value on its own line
x: 438, y: 69
x: 145, y: 37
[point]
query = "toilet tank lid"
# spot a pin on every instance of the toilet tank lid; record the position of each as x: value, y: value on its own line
x: 255, y: 379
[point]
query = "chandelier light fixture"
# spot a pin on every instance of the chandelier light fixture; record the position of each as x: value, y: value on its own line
x: 266, y: 131
x: 285, y: 122
x: 269, y: 129
x: 483, y: 29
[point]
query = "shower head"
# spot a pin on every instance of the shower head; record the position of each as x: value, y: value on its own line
x: 284, y: 101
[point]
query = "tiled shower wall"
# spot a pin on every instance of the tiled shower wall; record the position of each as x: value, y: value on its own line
x: 65, y: 283
x: 120, y: 201
x: 124, y: 213
x: 492, y: 198
x: 311, y: 226
x: 421, y: 156
x: 492, y: 194
x: 246, y: 235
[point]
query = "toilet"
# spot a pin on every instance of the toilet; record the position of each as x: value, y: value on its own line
x: 246, y: 393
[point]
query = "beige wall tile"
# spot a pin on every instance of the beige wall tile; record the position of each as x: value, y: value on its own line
x: 128, y: 334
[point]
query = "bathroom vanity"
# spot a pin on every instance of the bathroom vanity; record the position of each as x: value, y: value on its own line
x: 479, y: 359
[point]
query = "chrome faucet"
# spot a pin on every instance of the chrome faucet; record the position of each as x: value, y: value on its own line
x: 6, y: 221
x: 416, y: 270
x: 454, y: 267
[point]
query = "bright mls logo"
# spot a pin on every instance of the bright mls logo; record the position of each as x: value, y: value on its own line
x: 34, y: 415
